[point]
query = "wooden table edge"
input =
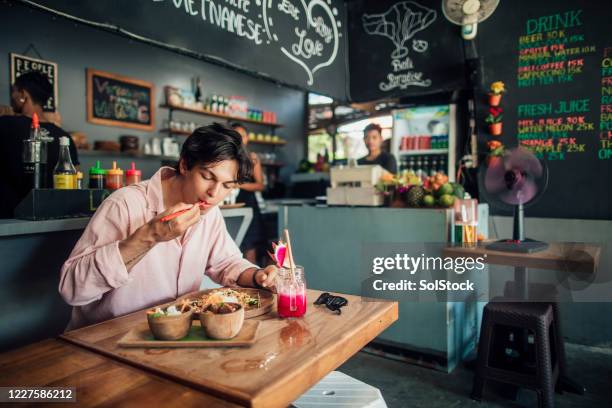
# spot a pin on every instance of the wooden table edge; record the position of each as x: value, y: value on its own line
x: 268, y: 397
x: 256, y: 400
x: 506, y: 258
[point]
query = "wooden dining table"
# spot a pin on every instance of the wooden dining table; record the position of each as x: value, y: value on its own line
x: 288, y: 357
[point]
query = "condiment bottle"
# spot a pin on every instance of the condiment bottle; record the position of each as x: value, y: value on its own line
x: 132, y: 176
x: 64, y: 174
x: 114, y: 177
x: 34, y: 156
x: 96, y: 176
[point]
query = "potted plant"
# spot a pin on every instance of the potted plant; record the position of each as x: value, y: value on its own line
x: 496, y: 151
x: 497, y: 90
x: 494, y: 119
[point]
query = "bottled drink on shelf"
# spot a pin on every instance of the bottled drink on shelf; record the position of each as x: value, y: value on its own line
x: 411, y: 165
x: 64, y: 174
x: 434, y: 166
x: 419, y: 168
x: 214, y: 105
x: 425, y: 167
x: 442, y: 168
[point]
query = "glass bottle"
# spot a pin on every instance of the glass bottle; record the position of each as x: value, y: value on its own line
x: 425, y: 167
x: 64, y: 174
x: 434, y: 166
x: 443, y: 168
x: 419, y: 168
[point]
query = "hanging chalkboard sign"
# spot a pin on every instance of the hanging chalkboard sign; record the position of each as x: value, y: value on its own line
x: 115, y: 100
x: 296, y: 42
x: 555, y: 57
x: 402, y: 48
x: 21, y: 64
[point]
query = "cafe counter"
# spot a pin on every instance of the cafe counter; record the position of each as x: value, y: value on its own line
x: 332, y: 242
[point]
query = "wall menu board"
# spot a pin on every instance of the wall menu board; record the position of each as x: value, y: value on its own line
x: 22, y: 63
x: 298, y: 42
x: 555, y: 58
x: 404, y: 48
x: 115, y: 100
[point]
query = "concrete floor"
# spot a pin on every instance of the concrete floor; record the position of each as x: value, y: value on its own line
x: 405, y: 385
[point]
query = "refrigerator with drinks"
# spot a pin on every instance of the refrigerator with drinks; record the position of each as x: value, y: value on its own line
x: 424, y: 139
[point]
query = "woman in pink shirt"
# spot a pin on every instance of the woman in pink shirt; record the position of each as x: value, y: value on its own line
x: 129, y: 259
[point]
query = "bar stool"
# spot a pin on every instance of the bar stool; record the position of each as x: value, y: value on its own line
x: 535, y: 317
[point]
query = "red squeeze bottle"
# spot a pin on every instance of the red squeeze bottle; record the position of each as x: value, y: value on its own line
x: 133, y: 176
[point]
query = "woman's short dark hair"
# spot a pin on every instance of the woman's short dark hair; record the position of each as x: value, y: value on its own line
x: 372, y: 126
x: 36, y: 84
x: 214, y: 143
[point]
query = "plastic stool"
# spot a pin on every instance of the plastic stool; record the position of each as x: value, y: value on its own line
x: 340, y: 390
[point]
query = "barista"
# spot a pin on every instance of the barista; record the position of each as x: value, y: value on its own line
x: 372, y: 137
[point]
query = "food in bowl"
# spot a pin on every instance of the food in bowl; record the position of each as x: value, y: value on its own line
x: 223, y: 320
x: 170, y: 323
x: 226, y: 296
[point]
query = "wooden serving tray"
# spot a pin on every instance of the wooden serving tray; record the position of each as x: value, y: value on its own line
x: 266, y: 299
x: 141, y: 336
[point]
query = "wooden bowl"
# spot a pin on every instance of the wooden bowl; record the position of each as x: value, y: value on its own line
x: 223, y: 326
x: 171, y: 327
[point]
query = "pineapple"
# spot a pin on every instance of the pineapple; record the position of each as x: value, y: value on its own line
x: 414, y: 196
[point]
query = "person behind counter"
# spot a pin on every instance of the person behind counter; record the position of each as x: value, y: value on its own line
x: 29, y: 94
x: 129, y: 258
x: 253, y: 236
x: 372, y: 136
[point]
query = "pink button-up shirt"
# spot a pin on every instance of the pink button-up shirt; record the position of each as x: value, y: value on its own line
x: 96, y: 282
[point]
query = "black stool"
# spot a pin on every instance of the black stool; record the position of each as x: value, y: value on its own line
x: 535, y: 317
x: 543, y: 292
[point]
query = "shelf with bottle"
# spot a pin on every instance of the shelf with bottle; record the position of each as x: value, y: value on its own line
x: 425, y: 166
x: 433, y: 143
x: 265, y: 139
x: 205, y: 112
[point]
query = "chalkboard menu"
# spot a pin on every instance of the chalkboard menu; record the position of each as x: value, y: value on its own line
x: 115, y: 100
x: 555, y: 58
x: 298, y: 42
x: 402, y: 48
x: 21, y: 64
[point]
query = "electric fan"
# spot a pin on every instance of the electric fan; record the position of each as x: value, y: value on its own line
x: 468, y: 13
x: 513, y: 181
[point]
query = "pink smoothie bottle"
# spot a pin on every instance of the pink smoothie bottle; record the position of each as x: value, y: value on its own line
x: 291, y: 292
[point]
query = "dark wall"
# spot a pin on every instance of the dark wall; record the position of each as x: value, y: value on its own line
x: 403, y: 48
x: 554, y: 58
x: 76, y: 47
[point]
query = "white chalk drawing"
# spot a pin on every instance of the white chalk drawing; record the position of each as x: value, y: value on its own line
x: 306, y: 48
x: 287, y: 7
x: 313, y: 38
x: 420, y: 45
x: 400, y: 23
